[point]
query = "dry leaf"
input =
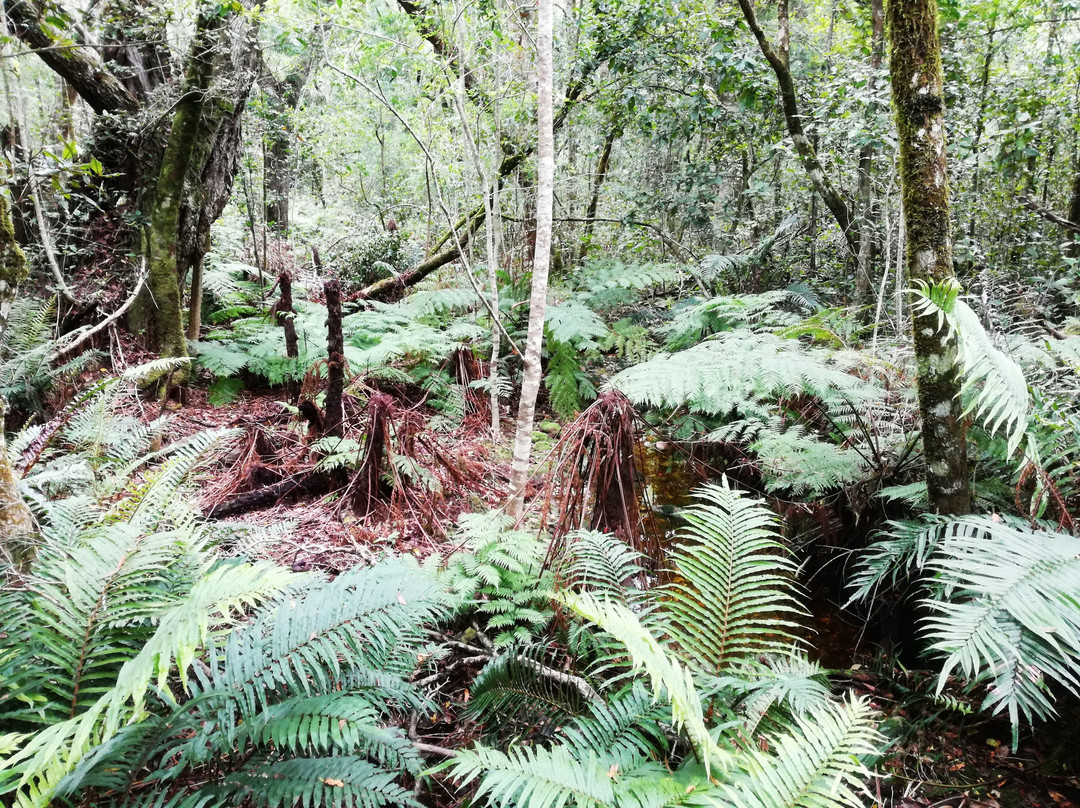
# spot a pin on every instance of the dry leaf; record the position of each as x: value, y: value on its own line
x: 330, y: 781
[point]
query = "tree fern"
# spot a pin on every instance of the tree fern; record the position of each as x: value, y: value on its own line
x: 719, y: 375
x: 732, y: 599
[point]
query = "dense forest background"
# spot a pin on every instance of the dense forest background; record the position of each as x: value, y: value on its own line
x: 614, y: 403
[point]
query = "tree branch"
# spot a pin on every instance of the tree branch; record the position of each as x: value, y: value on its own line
x: 1049, y: 215
x: 78, y: 66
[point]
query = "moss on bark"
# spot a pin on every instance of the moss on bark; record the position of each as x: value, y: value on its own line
x: 162, y: 297
x: 16, y: 521
x: 916, y: 77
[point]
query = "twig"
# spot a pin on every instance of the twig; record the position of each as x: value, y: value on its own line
x: 576, y: 682
x: 82, y: 336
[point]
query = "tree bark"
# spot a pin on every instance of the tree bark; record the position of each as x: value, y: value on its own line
x: 545, y: 200
x: 334, y: 415
x: 778, y: 59
x: 162, y: 300
x: 285, y: 316
x: 598, y: 181
x: 78, y: 66
x: 863, y: 282
x: 214, y: 165
x: 916, y: 77
x: 16, y: 521
x: 284, y: 98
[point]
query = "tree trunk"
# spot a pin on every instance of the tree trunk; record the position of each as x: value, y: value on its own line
x: 916, y: 77
x: 284, y: 98
x: 215, y: 162
x: 545, y: 199
x: 863, y: 282
x: 778, y: 59
x: 16, y: 522
x: 162, y: 300
x: 598, y: 182
x: 334, y: 416
x: 78, y: 66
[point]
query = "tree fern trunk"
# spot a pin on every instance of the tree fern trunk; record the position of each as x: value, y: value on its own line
x: 916, y: 76
x: 545, y: 198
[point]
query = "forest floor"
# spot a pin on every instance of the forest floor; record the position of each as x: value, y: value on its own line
x: 942, y: 758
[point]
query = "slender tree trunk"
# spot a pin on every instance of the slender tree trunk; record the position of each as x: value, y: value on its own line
x: 863, y: 286
x: 16, y: 522
x: 545, y: 199
x: 980, y: 119
x: 777, y: 58
x: 598, y: 182
x: 163, y: 284
x: 916, y: 77
x: 334, y: 415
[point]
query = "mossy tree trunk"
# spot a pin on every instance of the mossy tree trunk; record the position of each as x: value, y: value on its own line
x: 162, y: 298
x: 16, y: 521
x: 916, y: 77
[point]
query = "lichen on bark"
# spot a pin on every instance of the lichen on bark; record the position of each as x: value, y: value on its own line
x: 917, y: 82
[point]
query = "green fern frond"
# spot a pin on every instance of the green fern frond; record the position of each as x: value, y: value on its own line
x: 316, y: 782
x: 334, y: 722
x: 1000, y: 393
x: 536, y: 777
x: 575, y: 324
x: 733, y: 595
x: 665, y: 672
x: 600, y: 563
x: 627, y: 729
x: 720, y: 375
x: 815, y: 765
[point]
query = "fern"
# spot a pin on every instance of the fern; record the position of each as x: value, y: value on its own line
x: 731, y: 572
x: 329, y: 781
x: 1000, y: 392
x: 1002, y: 608
x: 666, y: 673
x: 498, y: 571
x: 540, y: 778
x: 719, y: 375
x: 569, y: 388
x: 815, y: 765
x: 575, y: 324
x: 600, y: 563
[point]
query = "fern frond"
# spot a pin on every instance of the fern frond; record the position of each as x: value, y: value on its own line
x: 666, y: 673
x: 1000, y: 393
x: 1004, y: 610
x: 733, y: 595
x: 600, y: 563
x: 815, y: 765
x: 316, y: 782
x: 537, y: 777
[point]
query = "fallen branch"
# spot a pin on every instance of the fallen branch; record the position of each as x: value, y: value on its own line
x: 77, y: 338
x: 306, y: 483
